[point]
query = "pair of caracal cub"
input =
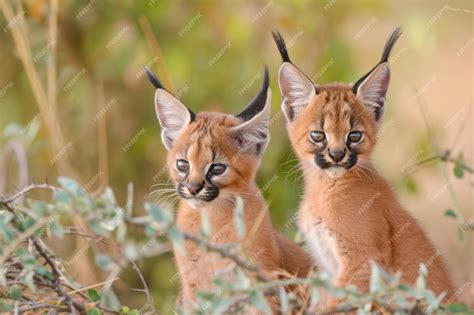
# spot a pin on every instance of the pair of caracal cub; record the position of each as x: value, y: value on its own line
x: 349, y: 215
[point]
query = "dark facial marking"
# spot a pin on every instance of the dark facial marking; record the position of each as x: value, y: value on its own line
x: 351, y: 161
x: 321, y: 161
x: 209, y: 192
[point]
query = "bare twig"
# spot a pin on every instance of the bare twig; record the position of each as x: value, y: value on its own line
x: 446, y: 158
x: 225, y: 251
x: 22, y: 192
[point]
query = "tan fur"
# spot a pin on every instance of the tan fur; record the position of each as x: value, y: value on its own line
x: 202, y: 142
x: 354, y: 218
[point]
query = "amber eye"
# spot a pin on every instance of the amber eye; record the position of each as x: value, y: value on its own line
x: 217, y: 169
x: 182, y: 166
x: 355, y: 136
x: 317, y: 136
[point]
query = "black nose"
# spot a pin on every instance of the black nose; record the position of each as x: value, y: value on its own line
x: 337, y: 155
x: 194, y: 188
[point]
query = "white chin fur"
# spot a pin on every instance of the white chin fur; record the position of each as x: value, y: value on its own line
x: 335, y: 171
x: 195, y: 203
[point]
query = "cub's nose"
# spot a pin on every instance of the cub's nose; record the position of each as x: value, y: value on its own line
x: 337, y: 155
x: 194, y: 188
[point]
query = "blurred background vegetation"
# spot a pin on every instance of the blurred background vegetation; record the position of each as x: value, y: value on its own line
x: 210, y: 53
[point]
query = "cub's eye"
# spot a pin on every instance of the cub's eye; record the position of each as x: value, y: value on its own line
x: 317, y: 136
x: 217, y: 169
x: 355, y: 136
x: 182, y: 166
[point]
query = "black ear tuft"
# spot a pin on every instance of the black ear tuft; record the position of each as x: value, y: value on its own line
x: 280, y: 42
x: 154, y: 79
x: 390, y: 43
x: 258, y: 103
x: 385, y: 54
x: 157, y: 84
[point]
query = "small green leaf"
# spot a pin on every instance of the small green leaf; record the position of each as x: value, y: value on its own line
x: 160, y: 215
x: 284, y: 303
x: 458, y: 170
x: 124, y: 310
x: 6, y: 306
x: 258, y: 300
x: 314, y: 297
x: 177, y: 238
x: 56, y: 229
x: 94, y: 295
x: 220, y: 306
x: 421, y: 280
x: 450, y: 213
x: 104, y: 262
x: 96, y: 227
x: 222, y: 283
x: 206, y: 228
x: 70, y: 185
x: 130, y: 251
x: 457, y: 308
x: 6, y: 230
x: 15, y: 292
x: 239, y: 216
x: 410, y: 185
x: 61, y: 195
x: 94, y: 311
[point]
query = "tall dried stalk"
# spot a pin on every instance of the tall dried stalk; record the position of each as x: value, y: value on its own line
x: 52, y: 36
x: 47, y: 108
x: 102, y: 140
x: 162, y: 71
x: 47, y: 103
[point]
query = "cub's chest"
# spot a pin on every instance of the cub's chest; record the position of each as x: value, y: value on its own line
x: 322, y: 243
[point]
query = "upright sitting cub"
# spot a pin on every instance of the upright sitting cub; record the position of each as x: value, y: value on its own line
x: 349, y: 214
x: 212, y: 159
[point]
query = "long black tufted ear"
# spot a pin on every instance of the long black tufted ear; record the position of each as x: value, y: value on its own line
x: 172, y: 115
x: 296, y: 88
x: 258, y: 103
x: 252, y: 136
x: 280, y: 42
x: 372, y: 87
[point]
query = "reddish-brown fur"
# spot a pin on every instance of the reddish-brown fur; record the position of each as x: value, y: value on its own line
x: 199, y: 143
x: 355, y: 218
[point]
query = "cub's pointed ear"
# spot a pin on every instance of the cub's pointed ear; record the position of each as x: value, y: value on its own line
x: 373, y: 90
x: 172, y: 115
x: 372, y: 87
x: 252, y: 136
x: 297, y: 90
